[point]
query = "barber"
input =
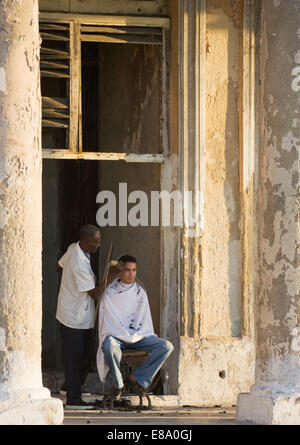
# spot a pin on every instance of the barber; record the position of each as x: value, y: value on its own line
x: 76, y: 311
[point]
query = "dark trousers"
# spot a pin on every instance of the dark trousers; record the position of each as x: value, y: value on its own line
x: 77, y: 346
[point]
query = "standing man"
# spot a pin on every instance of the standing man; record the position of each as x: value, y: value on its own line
x: 125, y: 323
x: 76, y: 311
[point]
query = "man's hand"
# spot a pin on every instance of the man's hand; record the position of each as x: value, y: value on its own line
x: 113, y: 273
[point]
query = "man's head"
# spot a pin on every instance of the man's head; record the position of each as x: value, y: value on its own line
x: 89, y: 237
x: 128, y: 273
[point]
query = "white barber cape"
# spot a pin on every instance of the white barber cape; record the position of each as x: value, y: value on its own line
x: 124, y: 312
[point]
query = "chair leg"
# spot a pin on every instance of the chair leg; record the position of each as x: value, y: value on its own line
x: 108, y: 400
x: 141, y: 406
x: 149, y: 402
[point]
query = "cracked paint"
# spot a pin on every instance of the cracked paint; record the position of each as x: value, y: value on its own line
x: 278, y: 291
x: 2, y: 79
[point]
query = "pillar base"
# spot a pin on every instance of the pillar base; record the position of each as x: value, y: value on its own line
x: 35, y: 411
x: 269, y: 407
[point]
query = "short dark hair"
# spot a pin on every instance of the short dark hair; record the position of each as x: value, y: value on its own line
x: 88, y: 231
x: 127, y: 258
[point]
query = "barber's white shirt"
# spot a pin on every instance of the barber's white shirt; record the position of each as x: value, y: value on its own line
x: 75, y: 307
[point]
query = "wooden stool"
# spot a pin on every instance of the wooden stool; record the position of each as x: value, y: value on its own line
x: 130, y: 360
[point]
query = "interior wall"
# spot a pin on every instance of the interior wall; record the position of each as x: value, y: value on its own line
x: 130, y: 121
x: 105, y: 6
x: 130, y: 95
x: 141, y: 242
x: 50, y: 255
x: 69, y: 201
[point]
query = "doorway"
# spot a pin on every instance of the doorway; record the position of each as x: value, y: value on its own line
x: 121, y: 113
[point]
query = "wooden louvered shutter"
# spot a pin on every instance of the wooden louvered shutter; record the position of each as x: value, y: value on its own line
x: 121, y: 34
x: 55, y: 84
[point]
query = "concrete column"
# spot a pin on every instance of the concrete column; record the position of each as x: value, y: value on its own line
x: 23, y: 400
x: 275, y: 396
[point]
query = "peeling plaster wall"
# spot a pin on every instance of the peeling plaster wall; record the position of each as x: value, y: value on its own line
x: 278, y: 298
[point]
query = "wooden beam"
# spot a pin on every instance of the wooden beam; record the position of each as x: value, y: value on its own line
x: 56, y: 65
x: 125, y: 39
x: 121, y: 30
x: 51, y: 112
x: 47, y: 73
x: 55, y: 52
x: 132, y: 157
x: 53, y: 27
x: 74, y: 89
x: 53, y: 57
x: 107, y: 20
x: 54, y: 124
x: 50, y: 36
x: 54, y: 102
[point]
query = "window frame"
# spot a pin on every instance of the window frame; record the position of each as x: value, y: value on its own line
x: 76, y: 21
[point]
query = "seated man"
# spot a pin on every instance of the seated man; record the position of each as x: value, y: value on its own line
x: 125, y: 323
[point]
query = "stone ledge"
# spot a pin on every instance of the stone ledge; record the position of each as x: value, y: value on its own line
x: 269, y: 409
x: 33, y: 412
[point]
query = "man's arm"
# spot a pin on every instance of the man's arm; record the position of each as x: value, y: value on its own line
x: 98, y: 290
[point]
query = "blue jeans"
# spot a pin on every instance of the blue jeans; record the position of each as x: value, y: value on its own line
x: 159, y: 349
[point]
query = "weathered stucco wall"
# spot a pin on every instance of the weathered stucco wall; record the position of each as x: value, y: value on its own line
x: 274, y: 399
x: 214, y: 371
x: 219, y: 359
x: 23, y: 399
x: 278, y: 205
x: 105, y: 6
x: 221, y: 305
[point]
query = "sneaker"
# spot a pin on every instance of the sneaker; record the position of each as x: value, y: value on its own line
x: 80, y: 404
